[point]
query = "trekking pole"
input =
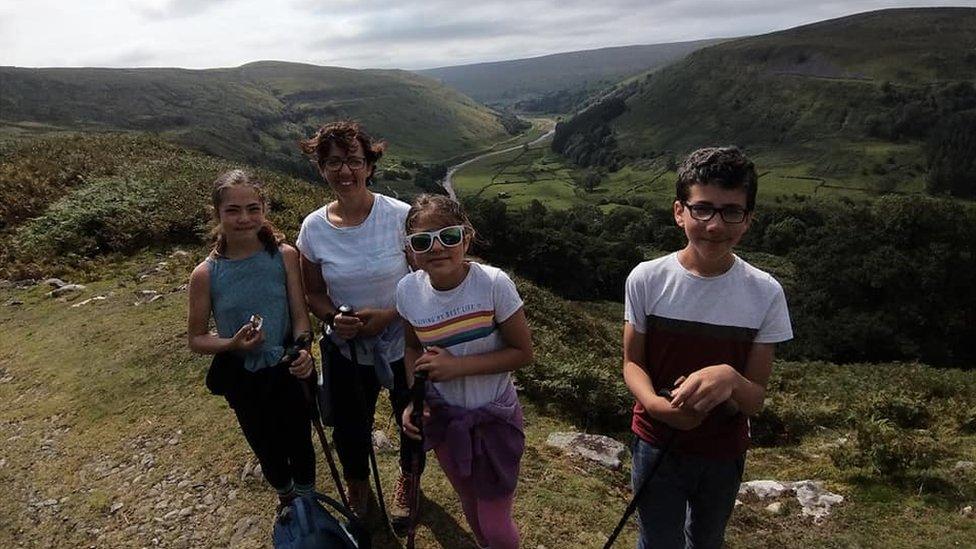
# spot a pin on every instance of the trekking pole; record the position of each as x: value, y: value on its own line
x: 291, y: 354
x: 417, y: 418
x: 727, y: 408
x: 347, y: 310
x: 632, y: 506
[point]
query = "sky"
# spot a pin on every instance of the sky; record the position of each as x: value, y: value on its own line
x: 405, y: 34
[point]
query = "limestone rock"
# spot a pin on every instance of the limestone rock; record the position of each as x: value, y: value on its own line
x: 964, y: 466
x: 775, y: 508
x: 89, y: 300
x: 816, y: 501
x: 763, y: 489
x: 601, y: 449
x: 55, y: 283
x: 66, y: 289
x: 382, y: 443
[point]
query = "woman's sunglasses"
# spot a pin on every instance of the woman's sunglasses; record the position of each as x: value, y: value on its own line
x: 448, y: 236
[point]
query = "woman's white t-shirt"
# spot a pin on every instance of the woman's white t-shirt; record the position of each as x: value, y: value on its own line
x: 361, y: 265
x: 464, y: 320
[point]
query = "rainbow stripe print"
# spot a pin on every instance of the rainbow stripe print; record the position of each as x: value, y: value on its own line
x: 454, y: 331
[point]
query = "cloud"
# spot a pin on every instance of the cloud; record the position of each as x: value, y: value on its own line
x: 378, y: 33
x: 175, y: 9
x: 138, y: 57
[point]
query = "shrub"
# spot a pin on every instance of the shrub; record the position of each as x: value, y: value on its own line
x: 902, y: 409
x: 888, y: 450
x: 112, y: 215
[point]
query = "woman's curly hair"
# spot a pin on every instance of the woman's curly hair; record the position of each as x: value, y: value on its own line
x: 342, y: 133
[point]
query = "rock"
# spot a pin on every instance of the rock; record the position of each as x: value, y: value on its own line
x: 381, y: 442
x: 115, y: 507
x: 967, y: 511
x: 601, y: 449
x: 244, y: 528
x: 208, y: 499
x: 55, y: 283
x: 179, y: 253
x: 813, y: 498
x: 25, y: 284
x: 66, y: 289
x: 3, y: 463
x: 763, y: 489
x: 90, y: 300
x: 14, y: 303
x: 48, y: 503
x: 173, y: 441
x: 246, y: 471
x: 737, y: 503
x: 816, y: 501
x: 775, y: 508
x: 256, y: 472
x: 964, y: 466
x: 183, y: 484
x: 147, y: 296
x: 171, y: 515
x: 186, y: 511
x: 180, y: 288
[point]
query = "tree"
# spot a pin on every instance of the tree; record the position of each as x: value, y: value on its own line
x: 952, y: 157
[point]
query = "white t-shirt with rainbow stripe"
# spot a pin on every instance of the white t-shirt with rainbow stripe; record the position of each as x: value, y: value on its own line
x: 464, y: 320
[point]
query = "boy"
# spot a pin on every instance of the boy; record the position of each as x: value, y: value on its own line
x: 703, y: 322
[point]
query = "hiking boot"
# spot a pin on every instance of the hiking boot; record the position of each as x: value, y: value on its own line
x: 400, y: 510
x: 358, y: 493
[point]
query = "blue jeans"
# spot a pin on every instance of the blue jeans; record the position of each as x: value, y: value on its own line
x: 688, y: 502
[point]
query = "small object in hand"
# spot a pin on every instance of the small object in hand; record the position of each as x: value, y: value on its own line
x: 257, y: 321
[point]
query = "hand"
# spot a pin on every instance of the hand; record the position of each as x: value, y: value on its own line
x: 375, y: 320
x: 684, y: 420
x: 705, y: 389
x: 439, y: 364
x: 303, y: 366
x: 247, y: 339
x: 409, y: 429
x: 346, y: 326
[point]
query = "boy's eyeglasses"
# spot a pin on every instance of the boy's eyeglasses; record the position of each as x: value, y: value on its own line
x: 334, y: 163
x: 704, y: 212
x: 448, y: 236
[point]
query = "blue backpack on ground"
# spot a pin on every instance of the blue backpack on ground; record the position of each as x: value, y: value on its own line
x: 306, y: 524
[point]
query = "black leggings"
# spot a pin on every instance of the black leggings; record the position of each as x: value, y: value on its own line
x: 353, y: 414
x: 273, y: 415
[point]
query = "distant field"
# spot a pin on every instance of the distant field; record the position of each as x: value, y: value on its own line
x: 520, y: 176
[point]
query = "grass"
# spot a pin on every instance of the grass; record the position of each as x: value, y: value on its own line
x: 519, y: 177
x: 94, y: 389
x: 254, y: 113
x: 808, y: 104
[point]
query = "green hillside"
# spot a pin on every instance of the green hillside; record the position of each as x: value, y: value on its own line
x: 861, y: 103
x: 111, y: 439
x: 557, y: 82
x: 253, y: 113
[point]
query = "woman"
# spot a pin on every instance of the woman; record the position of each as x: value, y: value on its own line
x: 352, y: 254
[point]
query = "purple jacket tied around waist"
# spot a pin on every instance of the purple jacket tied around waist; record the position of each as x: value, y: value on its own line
x: 485, y: 444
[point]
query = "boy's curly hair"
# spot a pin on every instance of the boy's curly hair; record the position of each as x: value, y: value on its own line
x: 727, y: 167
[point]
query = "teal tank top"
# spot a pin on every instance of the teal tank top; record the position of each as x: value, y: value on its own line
x: 255, y: 284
